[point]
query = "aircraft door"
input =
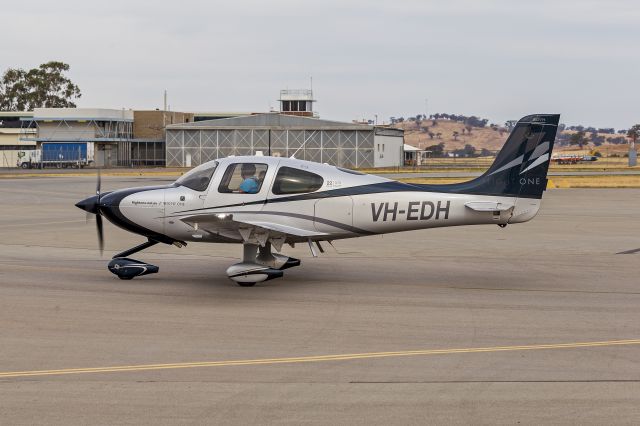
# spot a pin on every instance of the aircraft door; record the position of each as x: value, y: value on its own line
x: 241, y: 186
x: 334, y: 215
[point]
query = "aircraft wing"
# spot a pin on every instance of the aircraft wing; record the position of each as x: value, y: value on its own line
x: 246, y: 228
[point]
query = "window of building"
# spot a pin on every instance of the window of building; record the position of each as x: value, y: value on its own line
x: 243, y: 178
x: 198, y: 179
x: 295, y: 181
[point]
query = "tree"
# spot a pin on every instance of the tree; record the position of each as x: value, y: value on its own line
x: 616, y: 140
x: 42, y: 87
x: 596, y: 139
x: 468, y: 129
x: 634, y: 133
x: 455, y: 135
x: 469, y: 150
x: 578, y: 138
x: 436, y: 150
x: 431, y: 135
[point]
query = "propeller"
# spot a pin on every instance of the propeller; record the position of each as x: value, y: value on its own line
x: 92, y: 205
x: 99, y: 215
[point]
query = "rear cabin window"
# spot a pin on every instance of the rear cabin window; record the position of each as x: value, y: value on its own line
x: 296, y: 181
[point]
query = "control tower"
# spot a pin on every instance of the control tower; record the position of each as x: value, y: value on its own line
x: 297, y: 102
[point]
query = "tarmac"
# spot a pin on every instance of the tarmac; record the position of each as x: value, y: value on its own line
x: 537, y: 323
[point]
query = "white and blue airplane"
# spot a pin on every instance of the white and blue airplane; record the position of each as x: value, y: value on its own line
x: 266, y: 202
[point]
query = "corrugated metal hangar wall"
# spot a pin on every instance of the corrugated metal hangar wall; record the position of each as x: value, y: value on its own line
x: 340, y: 144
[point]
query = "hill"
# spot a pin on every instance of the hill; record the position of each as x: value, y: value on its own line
x: 426, y: 133
x: 456, y: 134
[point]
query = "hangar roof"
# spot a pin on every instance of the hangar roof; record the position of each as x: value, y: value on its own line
x: 270, y: 120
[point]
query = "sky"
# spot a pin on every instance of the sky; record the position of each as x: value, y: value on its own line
x: 497, y: 59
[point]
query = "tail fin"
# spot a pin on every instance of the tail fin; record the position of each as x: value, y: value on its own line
x: 520, y: 169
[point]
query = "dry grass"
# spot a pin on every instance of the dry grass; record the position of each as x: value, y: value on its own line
x: 439, y: 165
x: 594, y: 182
x: 556, y: 182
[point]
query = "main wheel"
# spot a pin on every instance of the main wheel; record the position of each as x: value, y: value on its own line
x: 246, y: 284
x: 24, y: 165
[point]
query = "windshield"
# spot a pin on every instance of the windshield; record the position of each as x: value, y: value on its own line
x: 198, y: 179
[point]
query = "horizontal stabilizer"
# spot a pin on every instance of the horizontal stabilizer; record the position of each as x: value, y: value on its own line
x: 489, y: 206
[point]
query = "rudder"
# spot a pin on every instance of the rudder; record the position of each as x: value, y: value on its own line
x: 521, y: 167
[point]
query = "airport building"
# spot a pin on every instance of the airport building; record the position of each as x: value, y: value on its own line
x: 78, y: 137
x: 96, y: 136
x: 147, y: 148
x: 79, y: 133
x: 341, y: 144
x: 10, y: 137
x: 297, y: 102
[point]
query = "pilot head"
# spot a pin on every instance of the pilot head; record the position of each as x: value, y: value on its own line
x: 247, y: 170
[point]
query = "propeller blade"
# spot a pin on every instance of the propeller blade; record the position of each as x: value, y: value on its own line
x: 98, y: 185
x: 100, y: 234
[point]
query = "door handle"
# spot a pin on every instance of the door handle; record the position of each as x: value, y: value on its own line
x: 202, y: 197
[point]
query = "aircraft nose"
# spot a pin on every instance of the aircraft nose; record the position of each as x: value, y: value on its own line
x: 89, y: 205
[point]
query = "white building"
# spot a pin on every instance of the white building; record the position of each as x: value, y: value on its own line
x: 107, y: 132
x: 10, y: 133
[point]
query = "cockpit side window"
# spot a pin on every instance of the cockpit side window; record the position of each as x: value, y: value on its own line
x: 296, y: 181
x: 198, y: 179
x: 243, y: 178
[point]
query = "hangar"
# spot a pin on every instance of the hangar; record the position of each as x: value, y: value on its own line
x: 341, y: 144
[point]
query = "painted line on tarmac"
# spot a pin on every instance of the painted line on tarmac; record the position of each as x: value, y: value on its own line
x: 318, y: 358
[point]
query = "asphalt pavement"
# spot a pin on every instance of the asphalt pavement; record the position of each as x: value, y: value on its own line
x: 537, y: 323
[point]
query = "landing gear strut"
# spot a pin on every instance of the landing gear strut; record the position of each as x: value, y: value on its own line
x: 259, y: 264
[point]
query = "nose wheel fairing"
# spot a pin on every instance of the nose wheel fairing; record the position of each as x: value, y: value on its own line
x: 127, y: 269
